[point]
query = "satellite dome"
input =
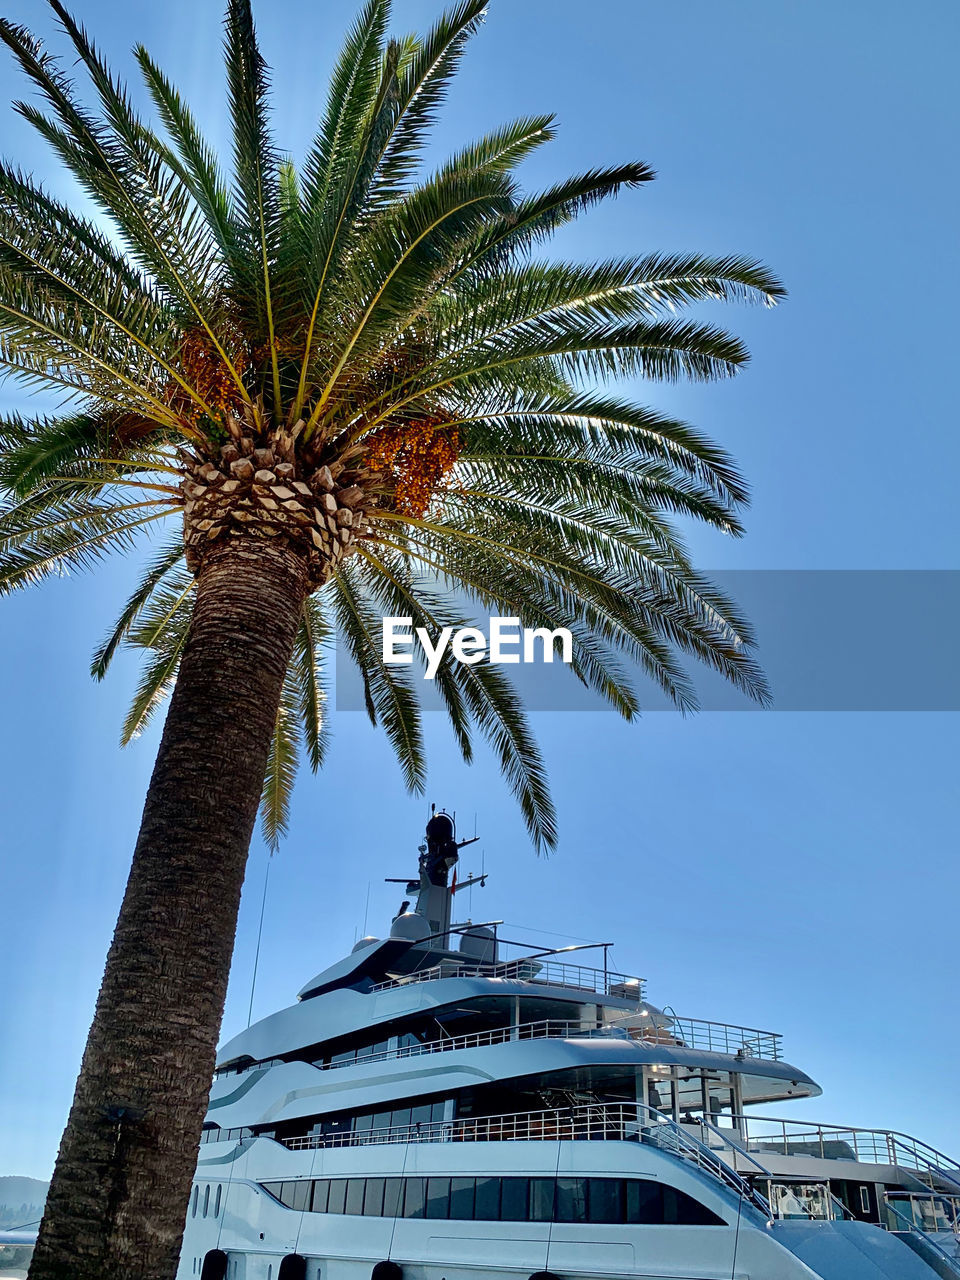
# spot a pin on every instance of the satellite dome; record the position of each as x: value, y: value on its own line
x: 364, y: 942
x: 411, y: 927
x: 479, y: 943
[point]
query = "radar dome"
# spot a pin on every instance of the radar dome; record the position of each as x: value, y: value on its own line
x: 364, y: 942
x: 480, y: 944
x: 411, y: 927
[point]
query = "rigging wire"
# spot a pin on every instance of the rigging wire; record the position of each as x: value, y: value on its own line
x: 256, y: 958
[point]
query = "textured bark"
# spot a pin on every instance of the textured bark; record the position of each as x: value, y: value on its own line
x: 117, y: 1203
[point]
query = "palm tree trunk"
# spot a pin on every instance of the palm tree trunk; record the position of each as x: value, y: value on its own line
x: 118, y: 1198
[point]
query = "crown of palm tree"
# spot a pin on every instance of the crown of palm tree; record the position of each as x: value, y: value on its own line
x: 371, y: 363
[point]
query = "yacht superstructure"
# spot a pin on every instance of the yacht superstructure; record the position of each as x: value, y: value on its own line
x: 448, y: 1104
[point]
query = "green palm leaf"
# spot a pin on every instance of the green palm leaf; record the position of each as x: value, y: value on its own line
x: 306, y: 310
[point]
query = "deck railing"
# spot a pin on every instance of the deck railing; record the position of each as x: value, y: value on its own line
x: 715, y: 1037
x: 683, y: 1033
x: 552, y: 973
x: 610, y: 1122
x: 771, y: 1135
x: 677, y: 1032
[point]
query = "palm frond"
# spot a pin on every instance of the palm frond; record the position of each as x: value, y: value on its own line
x: 159, y: 569
x: 256, y: 171
x: 391, y: 700
x: 161, y: 632
x: 282, y: 763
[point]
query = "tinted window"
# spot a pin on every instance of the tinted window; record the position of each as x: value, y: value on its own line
x: 644, y: 1203
x: 421, y: 1115
x: 206, y: 1199
x: 461, y: 1198
x: 373, y: 1200
x: 683, y: 1210
x: 338, y: 1195
x: 354, y: 1200
x: 513, y: 1199
x: 216, y: 1207
x: 603, y: 1200
x: 413, y: 1202
x: 571, y: 1200
x: 488, y: 1199
x: 595, y: 1200
x: 438, y: 1197
x: 392, y: 1196
x: 541, y: 1199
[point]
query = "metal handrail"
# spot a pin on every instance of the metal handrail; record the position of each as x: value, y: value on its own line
x: 873, y: 1146
x: 933, y: 1199
x: 909, y: 1225
x: 611, y: 1122
x: 684, y: 1033
x: 526, y: 969
x: 545, y: 1029
x: 699, y: 1033
x: 719, y: 1037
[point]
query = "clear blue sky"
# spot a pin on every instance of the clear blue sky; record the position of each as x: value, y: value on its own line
x: 790, y: 871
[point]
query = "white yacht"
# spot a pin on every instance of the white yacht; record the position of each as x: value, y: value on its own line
x: 446, y: 1103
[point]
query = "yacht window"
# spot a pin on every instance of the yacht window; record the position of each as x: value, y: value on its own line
x: 644, y: 1203
x: 683, y: 1211
x: 542, y: 1193
x: 354, y: 1200
x: 338, y: 1195
x: 398, y: 1119
x: 462, y: 1198
x: 513, y: 1199
x: 216, y: 1207
x: 373, y: 1200
x: 865, y: 1199
x: 362, y: 1123
x: 206, y: 1199
x: 572, y: 1200
x: 422, y: 1114
x: 392, y: 1197
x: 381, y: 1120
x: 413, y: 1201
x: 196, y: 1197
x: 438, y: 1198
x: 487, y: 1200
x: 603, y: 1200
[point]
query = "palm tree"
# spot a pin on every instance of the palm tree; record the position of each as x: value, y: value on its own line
x: 322, y: 394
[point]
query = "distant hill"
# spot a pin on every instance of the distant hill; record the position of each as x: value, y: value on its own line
x: 21, y: 1200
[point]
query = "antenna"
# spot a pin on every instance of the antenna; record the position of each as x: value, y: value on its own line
x: 366, y: 910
